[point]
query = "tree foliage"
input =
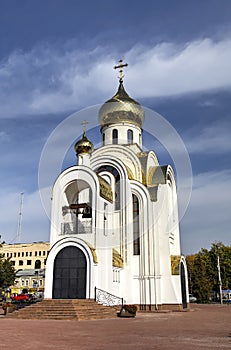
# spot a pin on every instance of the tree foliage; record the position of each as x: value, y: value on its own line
x: 7, y: 272
x: 203, y: 271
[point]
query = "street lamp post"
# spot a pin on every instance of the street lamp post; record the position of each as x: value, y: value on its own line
x: 219, y: 278
x: 37, y: 273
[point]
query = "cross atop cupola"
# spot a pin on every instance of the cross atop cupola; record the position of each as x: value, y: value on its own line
x: 84, y: 124
x: 120, y: 66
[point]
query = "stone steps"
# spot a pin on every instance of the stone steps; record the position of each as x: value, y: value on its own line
x: 66, y: 309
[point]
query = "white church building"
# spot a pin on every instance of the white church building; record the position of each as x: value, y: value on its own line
x: 114, y: 220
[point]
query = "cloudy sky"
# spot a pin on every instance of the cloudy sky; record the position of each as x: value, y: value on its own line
x: 57, y: 57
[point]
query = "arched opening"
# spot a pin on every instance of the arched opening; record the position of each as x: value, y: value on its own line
x: 114, y: 136
x: 77, y: 216
x: 37, y: 264
x: 69, y: 278
x: 136, y: 225
x: 115, y: 173
x: 183, y: 285
x: 130, y: 137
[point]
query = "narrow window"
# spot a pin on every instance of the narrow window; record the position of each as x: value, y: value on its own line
x: 130, y: 137
x: 28, y: 262
x: 103, y: 139
x: 136, y: 226
x: 115, y: 136
x: 20, y: 262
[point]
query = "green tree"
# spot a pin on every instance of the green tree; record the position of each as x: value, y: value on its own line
x: 203, y: 271
x: 199, y: 279
x: 224, y: 253
x: 7, y: 272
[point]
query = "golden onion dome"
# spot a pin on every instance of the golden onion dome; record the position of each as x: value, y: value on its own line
x: 84, y: 145
x: 121, y: 108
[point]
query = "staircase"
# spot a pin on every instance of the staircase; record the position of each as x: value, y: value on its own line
x: 66, y: 309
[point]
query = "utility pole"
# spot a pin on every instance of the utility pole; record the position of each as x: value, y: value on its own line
x: 219, y: 278
x: 19, y: 218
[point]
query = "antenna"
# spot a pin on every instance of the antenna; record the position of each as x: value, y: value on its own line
x: 19, y: 218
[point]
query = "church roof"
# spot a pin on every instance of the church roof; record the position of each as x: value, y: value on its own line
x: 121, y: 108
x: 157, y: 175
x: 84, y: 145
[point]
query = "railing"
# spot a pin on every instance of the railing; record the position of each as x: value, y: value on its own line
x: 107, y: 299
x: 79, y: 227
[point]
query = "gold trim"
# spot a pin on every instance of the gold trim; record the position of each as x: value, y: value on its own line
x: 144, y: 182
x: 175, y: 264
x: 151, y: 171
x: 117, y: 260
x: 105, y: 189
x: 93, y: 252
x: 130, y: 173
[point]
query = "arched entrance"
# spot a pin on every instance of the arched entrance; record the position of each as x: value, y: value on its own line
x: 183, y: 285
x: 69, y: 279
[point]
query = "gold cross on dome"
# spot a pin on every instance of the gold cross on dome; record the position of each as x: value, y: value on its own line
x: 84, y: 124
x: 120, y: 66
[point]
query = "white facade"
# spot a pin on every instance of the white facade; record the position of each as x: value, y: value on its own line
x: 115, y: 219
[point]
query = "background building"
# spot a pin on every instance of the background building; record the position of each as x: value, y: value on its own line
x: 29, y: 261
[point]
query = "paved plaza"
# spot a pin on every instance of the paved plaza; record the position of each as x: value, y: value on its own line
x: 204, y: 327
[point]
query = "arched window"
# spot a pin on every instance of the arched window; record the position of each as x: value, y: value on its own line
x: 103, y: 139
x: 136, y: 225
x: 114, y: 136
x: 130, y: 137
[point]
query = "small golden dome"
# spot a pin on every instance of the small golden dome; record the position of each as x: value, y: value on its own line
x: 121, y: 108
x: 84, y: 145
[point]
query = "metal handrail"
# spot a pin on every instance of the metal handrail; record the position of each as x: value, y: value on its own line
x: 107, y: 299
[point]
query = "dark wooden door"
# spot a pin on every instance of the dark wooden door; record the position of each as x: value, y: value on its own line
x: 183, y: 285
x: 69, y: 280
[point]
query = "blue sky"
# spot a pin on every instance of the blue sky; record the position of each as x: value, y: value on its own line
x: 56, y: 57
